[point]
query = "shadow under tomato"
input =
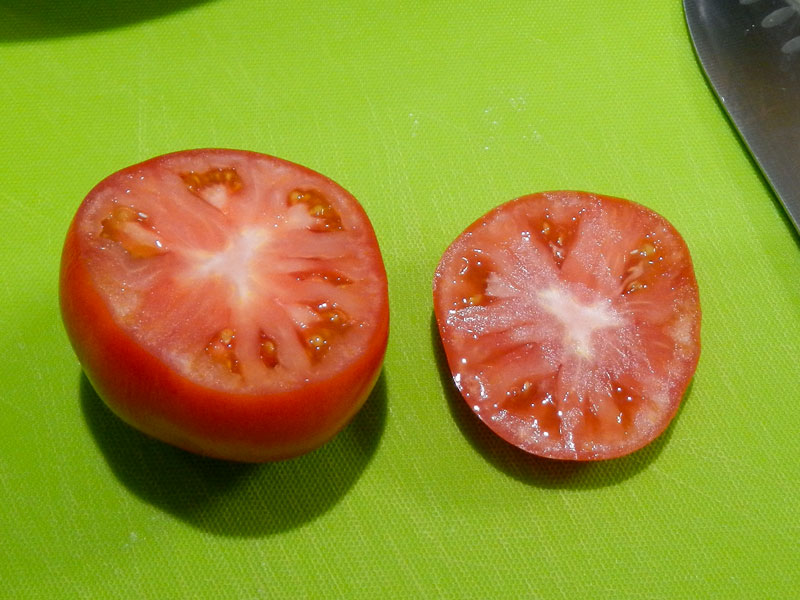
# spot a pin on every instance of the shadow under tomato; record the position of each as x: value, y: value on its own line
x: 532, y: 469
x: 37, y: 19
x: 236, y: 499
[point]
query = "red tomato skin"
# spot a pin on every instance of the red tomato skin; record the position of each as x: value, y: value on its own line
x: 441, y: 307
x: 153, y: 398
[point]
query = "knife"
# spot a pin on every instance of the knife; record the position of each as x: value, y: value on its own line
x: 750, y: 50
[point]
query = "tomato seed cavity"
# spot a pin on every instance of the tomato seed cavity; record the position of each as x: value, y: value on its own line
x: 326, y: 217
x: 331, y: 277
x: 474, y: 273
x: 556, y: 236
x: 221, y: 349
x: 214, y: 186
x: 318, y: 337
x: 268, y: 351
x: 637, y: 266
x: 131, y: 229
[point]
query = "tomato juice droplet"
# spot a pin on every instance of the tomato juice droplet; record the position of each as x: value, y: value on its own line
x: 586, y: 332
x: 231, y: 303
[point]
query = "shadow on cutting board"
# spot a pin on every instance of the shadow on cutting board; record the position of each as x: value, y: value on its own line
x: 236, y: 499
x: 37, y: 19
x: 535, y: 470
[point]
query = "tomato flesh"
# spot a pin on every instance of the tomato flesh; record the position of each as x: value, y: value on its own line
x: 245, y: 283
x: 570, y: 322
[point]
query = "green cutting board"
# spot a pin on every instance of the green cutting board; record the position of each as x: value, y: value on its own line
x: 430, y: 113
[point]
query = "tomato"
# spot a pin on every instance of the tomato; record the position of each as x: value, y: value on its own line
x: 570, y: 322
x: 230, y: 303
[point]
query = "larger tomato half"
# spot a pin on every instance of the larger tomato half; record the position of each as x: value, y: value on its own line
x: 571, y: 323
x: 229, y: 303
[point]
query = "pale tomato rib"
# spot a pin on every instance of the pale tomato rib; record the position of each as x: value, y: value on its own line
x: 183, y: 219
x: 507, y: 373
x: 318, y: 245
x: 192, y: 316
x: 605, y: 420
x: 507, y: 288
x: 478, y: 321
x: 279, y: 325
x: 249, y: 364
x: 272, y: 323
x: 647, y: 306
x: 595, y: 241
x: 525, y: 263
x: 490, y: 345
x: 659, y: 350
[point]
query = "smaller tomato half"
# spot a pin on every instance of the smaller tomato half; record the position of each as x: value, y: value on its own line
x: 570, y: 322
x: 227, y: 302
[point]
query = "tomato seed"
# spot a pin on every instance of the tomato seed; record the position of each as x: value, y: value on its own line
x: 221, y: 349
x: 268, y: 351
x: 317, y: 344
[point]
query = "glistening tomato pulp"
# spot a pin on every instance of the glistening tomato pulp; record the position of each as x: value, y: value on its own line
x: 571, y: 323
x: 230, y: 303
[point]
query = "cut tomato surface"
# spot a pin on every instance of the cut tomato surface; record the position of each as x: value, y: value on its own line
x: 230, y: 303
x: 570, y: 322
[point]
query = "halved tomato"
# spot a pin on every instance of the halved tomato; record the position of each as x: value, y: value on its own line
x: 230, y: 303
x: 571, y: 323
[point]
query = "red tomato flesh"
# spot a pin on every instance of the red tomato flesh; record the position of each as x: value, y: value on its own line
x: 570, y: 322
x: 230, y: 303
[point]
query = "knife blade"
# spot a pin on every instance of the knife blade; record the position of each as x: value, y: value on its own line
x: 750, y: 51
